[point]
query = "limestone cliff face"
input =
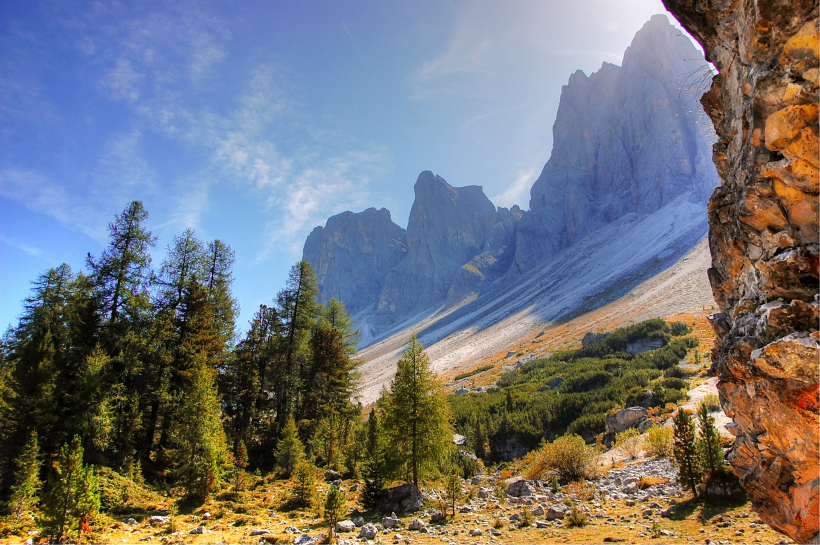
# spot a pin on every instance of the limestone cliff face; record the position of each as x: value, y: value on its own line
x: 448, y: 227
x: 626, y: 140
x: 352, y: 254
x: 763, y: 234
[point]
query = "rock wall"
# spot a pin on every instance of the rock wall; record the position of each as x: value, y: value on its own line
x: 448, y: 227
x: 763, y: 234
x: 352, y: 253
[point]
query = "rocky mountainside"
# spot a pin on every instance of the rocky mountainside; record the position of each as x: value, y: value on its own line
x: 763, y: 234
x: 627, y: 139
x: 612, y: 164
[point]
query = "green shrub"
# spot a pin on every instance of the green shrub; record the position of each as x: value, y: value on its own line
x: 569, y: 457
x: 469, y: 374
x: 576, y: 518
x: 678, y: 329
x: 711, y: 402
x: 658, y: 441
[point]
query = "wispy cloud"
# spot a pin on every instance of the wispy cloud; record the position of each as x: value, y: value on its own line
x: 517, y: 191
x: 11, y: 241
x: 164, y: 67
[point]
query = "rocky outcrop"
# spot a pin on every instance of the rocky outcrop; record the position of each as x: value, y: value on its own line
x: 494, y: 260
x: 448, y: 227
x: 352, y: 254
x: 763, y: 234
x: 626, y: 140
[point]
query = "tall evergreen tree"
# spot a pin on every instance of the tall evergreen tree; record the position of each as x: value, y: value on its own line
x: 218, y: 281
x: 200, y: 452
x: 297, y: 311
x: 417, y: 417
x: 685, y: 451
x: 123, y: 272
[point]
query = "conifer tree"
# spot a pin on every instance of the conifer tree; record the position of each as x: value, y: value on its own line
x: 26, y: 479
x: 711, y: 453
x: 297, y: 311
x: 200, y: 451
x: 240, y: 463
x: 290, y: 451
x: 334, y: 508
x: 122, y: 273
x: 218, y: 280
x: 373, y: 463
x: 417, y: 417
x: 479, y: 439
x: 304, y: 476
x: 686, y: 451
x: 72, y: 497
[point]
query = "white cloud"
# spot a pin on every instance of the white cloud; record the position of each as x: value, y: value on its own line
x: 517, y: 192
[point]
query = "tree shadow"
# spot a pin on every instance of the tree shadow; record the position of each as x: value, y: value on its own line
x: 705, y: 507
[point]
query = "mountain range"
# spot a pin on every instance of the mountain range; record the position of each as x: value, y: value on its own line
x: 621, y: 198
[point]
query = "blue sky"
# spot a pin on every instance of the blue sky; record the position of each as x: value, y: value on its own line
x: 252, y: 122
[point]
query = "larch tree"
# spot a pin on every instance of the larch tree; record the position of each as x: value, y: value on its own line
x: 711, y: 453
x: 72, y: 496
x: 417, y: 416
x: 685, y: 451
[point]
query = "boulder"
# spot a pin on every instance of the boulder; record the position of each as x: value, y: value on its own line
x: 199, y: 530
x: 537, y: 511
x: 518, y: 487
x: 417, y: 524
x: 557, y: 511
x: 158, y: 520
x: 405, y: 498
x: 331, y: 476
x: 259, y: 532
x: 368, y: 531
x: 358, y: 522
x: 475, y: 532
x: 345, y: 526
x: 437, y: 517
x: 304, y: 539
x: 591, y: 337
x: 643, y: 345
x: 625, y: 419
x: 391, y: 522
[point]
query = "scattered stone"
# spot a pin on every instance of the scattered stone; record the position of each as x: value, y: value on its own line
x: 345, y: 526
x: 368, y: 531
x: 304, y: 539
x: 557, y: 512
x: 475, y: 532
x: 437, y: 516
x: 131, y: 522
x: 156, y: 519
x: 417, y: 524
x: 518, y: 487
x: 291, y: 530
x: 537, y: 511
x: 359, y: 522
x: 390, y: 522
x: 199, y: 530
x: 331, y: 475
x: 260, y: 532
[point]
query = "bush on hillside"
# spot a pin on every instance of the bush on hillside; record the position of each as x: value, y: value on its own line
x: 658, y: 441
x: 569, y: 457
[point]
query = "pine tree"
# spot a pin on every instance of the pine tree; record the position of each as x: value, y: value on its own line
x: 304, y: 476
x: 334, y: 508
x: 291, y: 451
x: 72, y: 497
x: 373, y: 463
x: 417, y: 417
x: 686, y: 451
x: 297, y: 311
x: 452, y: 481
x: 123, y: 271
x: 711, y: 453
x: 26, y: 479
x: 200, y: 451
x: 218, y: 280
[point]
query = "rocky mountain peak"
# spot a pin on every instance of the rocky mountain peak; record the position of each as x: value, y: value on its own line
x: 626, y: 140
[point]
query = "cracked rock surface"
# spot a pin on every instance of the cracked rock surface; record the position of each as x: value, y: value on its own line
x: 763, y: 235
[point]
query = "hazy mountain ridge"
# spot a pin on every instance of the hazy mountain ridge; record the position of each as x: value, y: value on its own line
x: 628, y: 142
